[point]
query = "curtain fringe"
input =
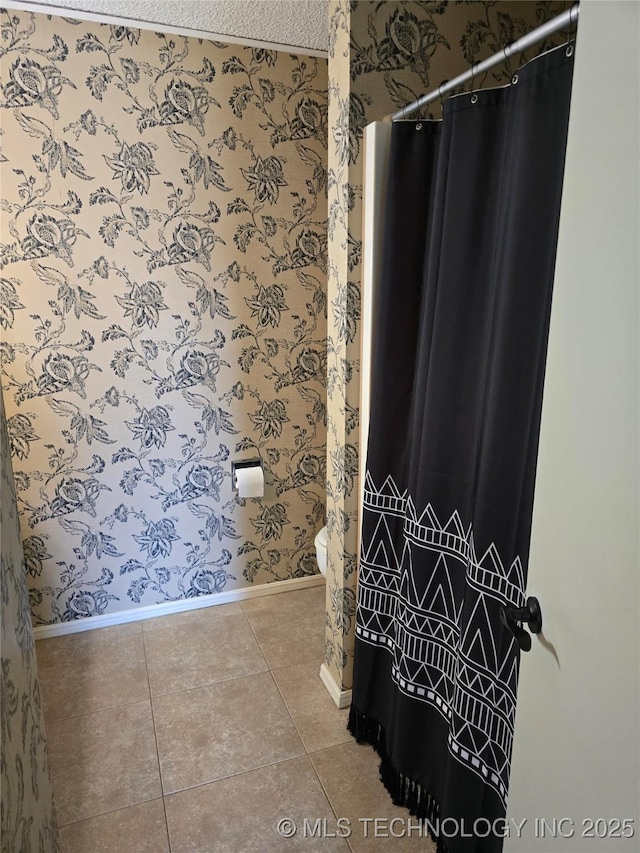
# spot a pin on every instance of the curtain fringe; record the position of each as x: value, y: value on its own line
x: 404, y: 791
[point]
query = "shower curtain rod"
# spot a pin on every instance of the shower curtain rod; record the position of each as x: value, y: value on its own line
x: 560, y: 22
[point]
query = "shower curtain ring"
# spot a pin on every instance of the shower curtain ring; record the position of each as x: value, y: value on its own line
x: 474, y: 96
x: 570, y: 37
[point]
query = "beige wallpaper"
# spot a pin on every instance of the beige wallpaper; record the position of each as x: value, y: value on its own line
x: 164, y: 261
x: 28, y: 818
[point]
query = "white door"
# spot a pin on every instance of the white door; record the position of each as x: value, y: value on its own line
x: 576, y: 754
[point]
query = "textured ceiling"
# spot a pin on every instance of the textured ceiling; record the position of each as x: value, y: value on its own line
x: 300, y: 23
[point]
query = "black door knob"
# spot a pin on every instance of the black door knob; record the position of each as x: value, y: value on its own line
x: 511, y: 617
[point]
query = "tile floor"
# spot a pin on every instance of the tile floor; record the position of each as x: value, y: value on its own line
x: 200, y: 731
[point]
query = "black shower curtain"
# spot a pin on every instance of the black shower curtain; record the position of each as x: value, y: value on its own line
x: 459, y: 345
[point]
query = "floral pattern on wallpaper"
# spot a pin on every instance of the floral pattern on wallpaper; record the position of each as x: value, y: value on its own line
x: 28, y: 821
x: 164, y: 262
x: 382, y: 56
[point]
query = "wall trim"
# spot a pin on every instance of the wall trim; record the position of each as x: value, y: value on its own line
x: 155, y: 26
x: 137, y: 614
x: 342, y: 698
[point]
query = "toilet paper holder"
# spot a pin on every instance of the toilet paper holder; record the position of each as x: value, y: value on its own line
x: 238, y: 464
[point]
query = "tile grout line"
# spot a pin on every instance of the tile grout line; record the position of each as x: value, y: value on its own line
x: 324, y: 790
x: 235, y: 775
x: 280, y: 666
x: 209, y: 683
x: 109, y: 811
x: 293, y: 722
x: 326, y: 794
x: 51, y: 722
x: 307, y: 754
x: 264, y: 657
x: 217, y: 680
x: 284, y: 701
x: 155, y: 738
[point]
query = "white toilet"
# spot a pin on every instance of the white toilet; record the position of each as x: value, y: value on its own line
x: 321, y: 551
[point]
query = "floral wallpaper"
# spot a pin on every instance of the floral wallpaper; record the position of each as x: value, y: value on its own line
x: 382, y: 56
x: 27, y: 821
x: 164, y: 264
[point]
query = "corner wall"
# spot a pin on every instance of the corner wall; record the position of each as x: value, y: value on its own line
x: 28, y: 817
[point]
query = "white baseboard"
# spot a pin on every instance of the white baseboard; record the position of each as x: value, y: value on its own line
x: 341, y: 697
x: 58, y: 629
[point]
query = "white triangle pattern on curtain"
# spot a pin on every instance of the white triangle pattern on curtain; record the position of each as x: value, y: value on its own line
x: 463, y: 675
